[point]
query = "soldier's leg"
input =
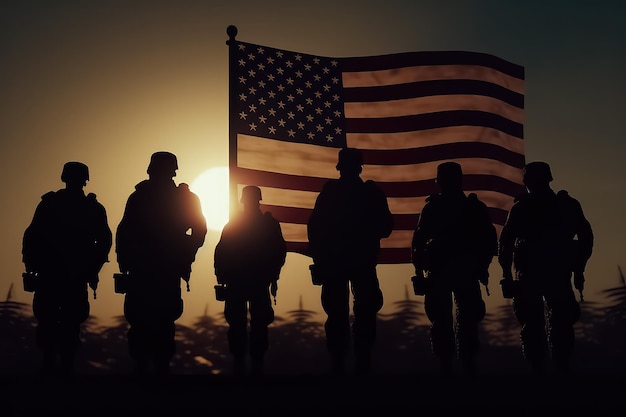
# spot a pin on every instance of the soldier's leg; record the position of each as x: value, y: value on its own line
x: 46, y: 311
x: 261, y: 316
x: 236, y: 315
x: 470, y: 310
x: 368, y: 300
x: 563, y: 313
x: 139, y: 331
x: 164, y: 344
x: 335, y: 299
x: 73, y: 312
x: 528, y: 306
x: 438, y: 308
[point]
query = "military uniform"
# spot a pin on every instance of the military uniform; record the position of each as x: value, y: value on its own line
x: 248, y: 259
x: 156, y: 243
x: 349, y: 219
x: 453, y: 244
x: 546, y: 238
x: 65, y: 245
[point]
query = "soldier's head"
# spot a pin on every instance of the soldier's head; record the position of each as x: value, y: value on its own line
x: 537, y: 174
x: 350, y: 161
x: 449, y: 177
x: 163, y: 164
x: 250, y: 196
x: 75, y: 173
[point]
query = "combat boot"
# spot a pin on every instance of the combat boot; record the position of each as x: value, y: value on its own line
x: 337, y: 364
x: 239, y: 365
x: 257, y: 366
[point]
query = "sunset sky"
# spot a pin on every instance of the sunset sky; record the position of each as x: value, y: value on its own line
x: 108, y: 83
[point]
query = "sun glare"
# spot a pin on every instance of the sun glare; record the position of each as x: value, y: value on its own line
x: 212, y: 188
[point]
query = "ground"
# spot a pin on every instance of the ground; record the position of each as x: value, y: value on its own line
x: 302, y: 395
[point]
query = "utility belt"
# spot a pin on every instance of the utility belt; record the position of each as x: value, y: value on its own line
x: 317, y: 276
x: 33, y: 281
x: 121, y: 282
x: 30, y: 281
x: 421, y: 284
x: 221, y: 291
x: 321, y: 275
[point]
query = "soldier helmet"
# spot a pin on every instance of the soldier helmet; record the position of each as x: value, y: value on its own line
x: 449, y: 170
x: 163, y: 162
x: 449, y: 177
x: 251, y: 193
x: 537, y: 171
x: 75, y: 171
x: 349, y: 158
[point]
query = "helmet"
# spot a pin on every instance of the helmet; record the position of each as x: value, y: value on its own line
x: 75, y: 171
x: 251, y: 193
x: 349, y: 158
x: 537, y: 172
x: 448, y: 171
x: 163, y: 162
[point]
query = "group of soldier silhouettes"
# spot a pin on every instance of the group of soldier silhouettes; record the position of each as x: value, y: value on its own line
x: 545, y: 242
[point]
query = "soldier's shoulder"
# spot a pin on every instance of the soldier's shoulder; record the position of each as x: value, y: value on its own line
x: 521, y: 198
x: 474, y: 201
x: 186, y: 193
x: 49, y: 195
x: 433, y: 198
x: 564, y: 195
x: 269, y: 217
x: 332, y: 185
x: 567, y: 200
x: 472, y: 198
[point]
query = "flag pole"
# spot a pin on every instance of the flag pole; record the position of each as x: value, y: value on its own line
x: 231, y: 31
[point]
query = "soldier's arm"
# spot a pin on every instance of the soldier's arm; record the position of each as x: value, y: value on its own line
x: 318, y: 222
x: 420, y: 237
x: 384, y: 216
x: 104, y: 236
x: 585, y: 243
x: 31, y: 240
x: 505, y: 244
x: 197, y: 221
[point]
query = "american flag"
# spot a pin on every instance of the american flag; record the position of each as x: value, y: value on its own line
x: 291, y: 112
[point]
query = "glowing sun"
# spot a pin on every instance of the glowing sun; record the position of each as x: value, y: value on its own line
x: 212, y: 188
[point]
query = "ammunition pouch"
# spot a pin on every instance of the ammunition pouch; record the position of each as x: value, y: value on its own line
x: 317, y: 274
x: 435, y: 255
x: 421, y: 285
x: 520, y: 255
x: 30, y: 281
x: 510, y: 288
x: 220, y: 292
x: 121, y: 282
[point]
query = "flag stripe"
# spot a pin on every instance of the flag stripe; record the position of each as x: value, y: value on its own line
x: 428, y: 73
x: 433, y: 121
x: 401, y: 221
x: 455, y: 60
x: 408, y: 106
x: 442, y: 88
x: 291, y: 113
x: 437, y: 136
x: 392, y: 189
x: 267, y: 158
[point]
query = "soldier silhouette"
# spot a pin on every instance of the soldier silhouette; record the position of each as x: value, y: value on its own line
x: 546, y: 239
x: 453, y: 245
x: 248, y: 260
x: 63, y: 250
x: 349, y: 219
x: 156, y: 243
